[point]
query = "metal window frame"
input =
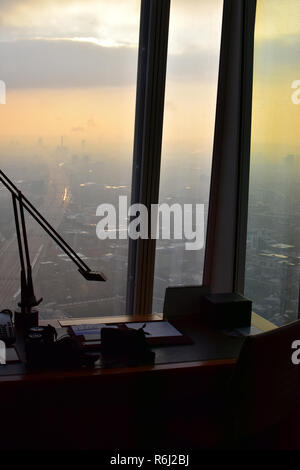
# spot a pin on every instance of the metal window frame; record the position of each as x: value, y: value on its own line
x: 224, y: 265
x: 151, y: 77
x: 245, y: 147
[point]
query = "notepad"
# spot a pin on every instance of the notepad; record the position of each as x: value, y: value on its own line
x: 156, y: 332
x: 156, y: 329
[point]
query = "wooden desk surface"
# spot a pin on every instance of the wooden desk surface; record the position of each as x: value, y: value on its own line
x: 211, y: 348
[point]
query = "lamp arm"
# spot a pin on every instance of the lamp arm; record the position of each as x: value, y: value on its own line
x: 17, y: 223
x: 42, y: 221
x: 83, y: 268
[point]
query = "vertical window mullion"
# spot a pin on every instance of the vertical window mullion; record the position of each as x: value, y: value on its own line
x: 245, y: 140
x: 151, y: 77
x: 227, y: 219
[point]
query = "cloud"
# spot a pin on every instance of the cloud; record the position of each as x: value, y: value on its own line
x: 38, y: 50
x: 61, y: 64
x: 275, y: 57
x: 29, y: 19
x: 196, y: 65
x: 64, y: 64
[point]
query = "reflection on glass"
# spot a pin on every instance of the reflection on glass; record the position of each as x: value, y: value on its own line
x: 66, y: 138
x: 191, y: 86
x: 273, y: 242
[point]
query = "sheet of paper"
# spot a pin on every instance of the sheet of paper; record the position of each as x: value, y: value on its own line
x: 90, y: 329
x: 156, y: 329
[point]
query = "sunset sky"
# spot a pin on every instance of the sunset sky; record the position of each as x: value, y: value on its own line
x: 70, y: 69
x: 275, y: 119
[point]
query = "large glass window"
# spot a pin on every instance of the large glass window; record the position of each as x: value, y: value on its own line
x: 66, y: 139
x: 191, y: 86
x: 273, y: 242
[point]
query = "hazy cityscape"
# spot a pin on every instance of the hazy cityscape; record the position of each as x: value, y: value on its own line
x: 68, y: 191
x: 273, y: 245
x: 67, y: 135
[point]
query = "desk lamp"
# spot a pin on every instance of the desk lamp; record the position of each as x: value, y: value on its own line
x: 27, y: 317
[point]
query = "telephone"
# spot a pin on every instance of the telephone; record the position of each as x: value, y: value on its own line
x: 7, y: 331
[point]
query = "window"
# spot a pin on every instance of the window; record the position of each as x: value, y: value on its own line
x: 273, y: 249
x: 66, y: 140
x: 189, y: 115
x: 82, y: 111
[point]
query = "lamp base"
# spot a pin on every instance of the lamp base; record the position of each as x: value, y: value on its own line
x: 25, y: 321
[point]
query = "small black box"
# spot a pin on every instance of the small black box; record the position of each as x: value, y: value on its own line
x: 230, y: 310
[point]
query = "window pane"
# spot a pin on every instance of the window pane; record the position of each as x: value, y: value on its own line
x: 273, y: 243
x: 191, y: 87
x: 66, y: 139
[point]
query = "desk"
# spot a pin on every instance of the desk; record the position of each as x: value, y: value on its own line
x: 117, y: 408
